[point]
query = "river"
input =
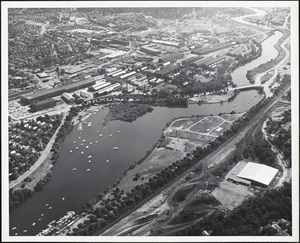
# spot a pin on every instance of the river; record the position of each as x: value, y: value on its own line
x: 268, y: 52
x: 133, y: 140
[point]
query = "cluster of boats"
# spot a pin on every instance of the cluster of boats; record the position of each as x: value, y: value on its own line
x: 56, y: 225
x: 87, y: 146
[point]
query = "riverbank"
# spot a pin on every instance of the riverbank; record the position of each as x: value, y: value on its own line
x: 271, y: 64
x: 212, y: 99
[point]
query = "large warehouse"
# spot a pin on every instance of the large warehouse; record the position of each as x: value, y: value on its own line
x: 49, y: 93
x: 258, y: 173
x: 247, y: 173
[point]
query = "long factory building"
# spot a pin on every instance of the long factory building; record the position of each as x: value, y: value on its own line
x: 49, y: 93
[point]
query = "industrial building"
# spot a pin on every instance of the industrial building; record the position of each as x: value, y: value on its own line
x: 127, y: 75
x: 258, y: 174
x: 85, y: 94
x: 150, y: 51
x: 99, y: 86
x: 167, y: 70
x: 67, y: 97
x: 144, y: 58
x: 249, y: 173
x: 108, y: 89
x: 42, y: 105
x: 120, y: 42
x: 172, y: 57
x: 190, y: 60
x: 203, y: 61
x: 49, y: 93
x: 218, y: 47
x: 168, y: 43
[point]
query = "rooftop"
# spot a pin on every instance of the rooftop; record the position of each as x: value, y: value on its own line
x: 258, y: 172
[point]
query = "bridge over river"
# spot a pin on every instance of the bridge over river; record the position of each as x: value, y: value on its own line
x: 247, y: 87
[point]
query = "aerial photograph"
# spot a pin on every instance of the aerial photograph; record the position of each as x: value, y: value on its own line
x: 154, y: 122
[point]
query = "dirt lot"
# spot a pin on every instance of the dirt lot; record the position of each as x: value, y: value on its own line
x: 230, y: 194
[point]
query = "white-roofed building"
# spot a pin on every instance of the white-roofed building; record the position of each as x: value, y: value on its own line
x: 258, y: 173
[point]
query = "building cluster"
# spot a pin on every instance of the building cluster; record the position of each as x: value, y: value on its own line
x: 121, y: 21
x: 281, y: 227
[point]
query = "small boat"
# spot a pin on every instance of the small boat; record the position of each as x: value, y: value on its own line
x: 16, y: 233
x: 233, y: 105
x: 71, y: 151
x: 82, y: 144
x: 87, y: 147
x: 97, y: 131
x: 74, y: 169
x: 89, y: 161
x: 39, y: 219
x: 79, y: 137
x: 63, y: 198
x: 50, y: 207
x: 110, y: 135
x: 89, y: 124
x: 24, y: 231
x: 118, y: 131
x: 91, y: 142
x: 90, y: 156
x: 33, y: 224
x: 105, y: 128
x: 47, y: 205
x: 14, y: 228
x: 100, y: 135
x: 115, y: 148
x: 42, y: 214
x: 74, y: 142
x: 76, y: 147
x: 82, y: 152
x: 96, y: 141
x: 88, y: 170
x: 107, y: 161
x: 83, y: 140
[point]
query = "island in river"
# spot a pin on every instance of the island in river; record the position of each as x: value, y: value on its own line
x: 127, y: 111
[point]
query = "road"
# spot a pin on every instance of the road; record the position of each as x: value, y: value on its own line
x: 286, y: 173
x: 40, y: 160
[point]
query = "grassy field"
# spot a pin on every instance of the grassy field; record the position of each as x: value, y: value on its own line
x: 206, y: 124
x: 154, y: 163
x: 179, y: 141
x: 219, y: 130
x: 266, y: 77
x: 231, y: 117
